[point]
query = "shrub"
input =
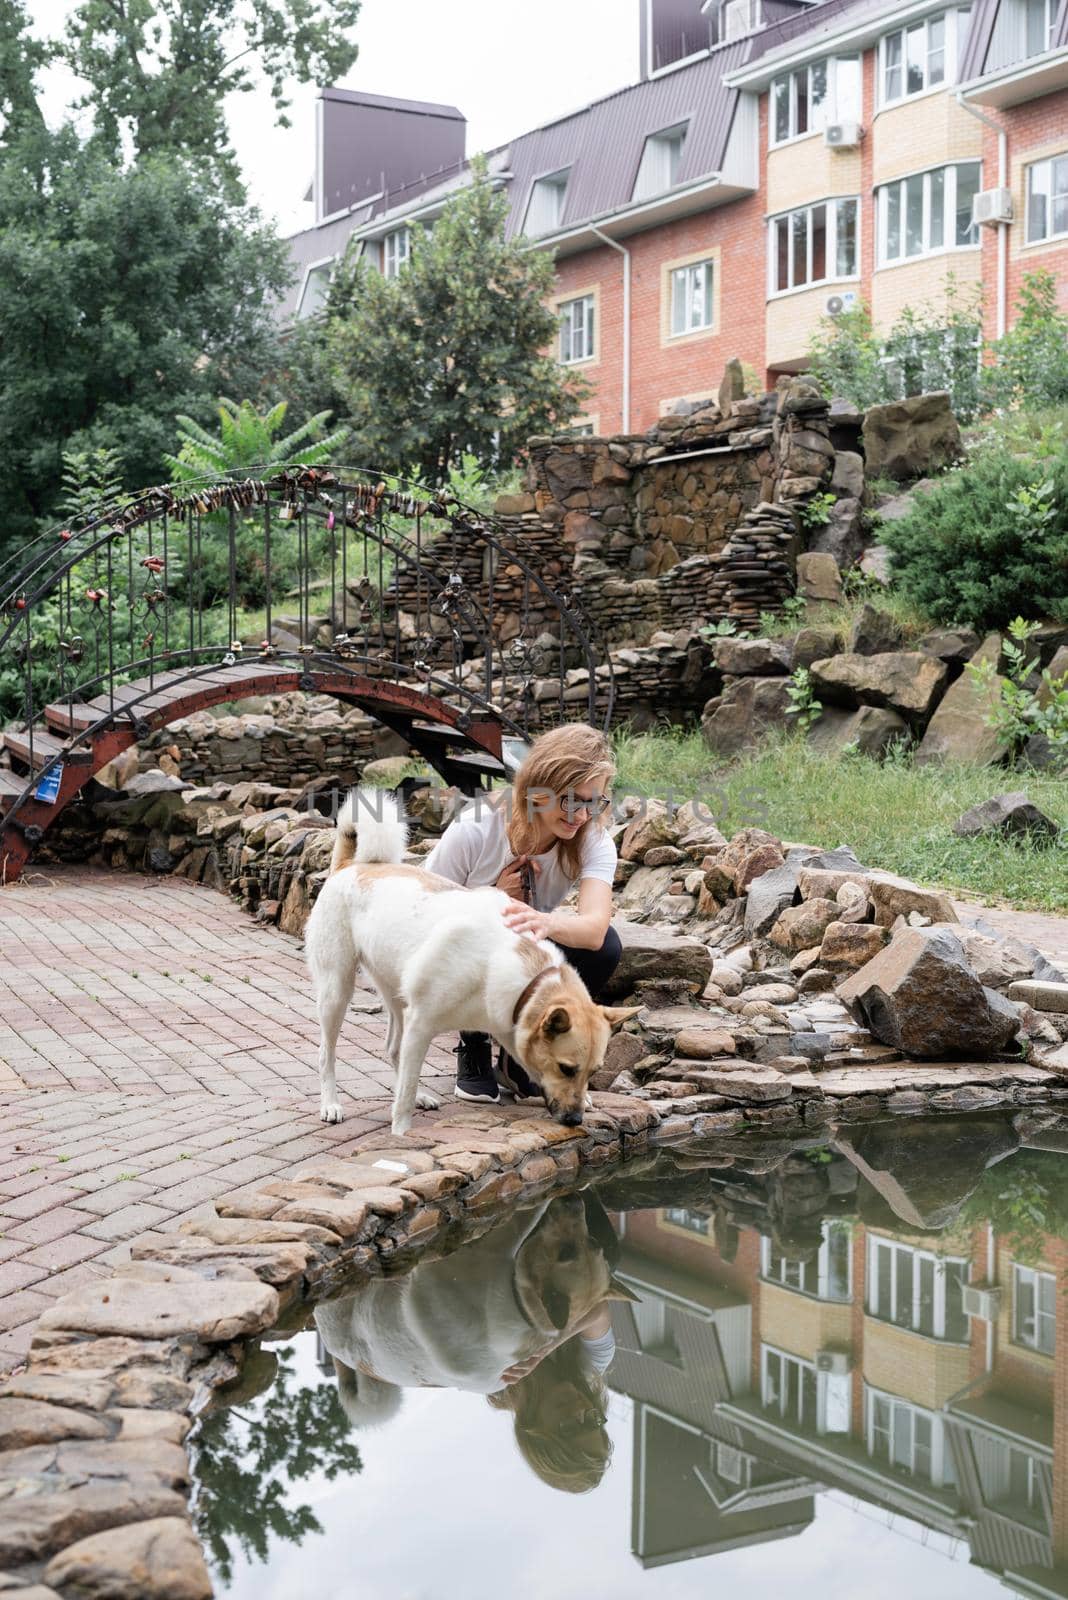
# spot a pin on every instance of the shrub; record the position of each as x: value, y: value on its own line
x: 988, y: 542
x: 1031, y: 360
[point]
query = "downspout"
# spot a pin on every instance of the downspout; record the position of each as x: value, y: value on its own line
x: 626, y: 320
x: 1003, y: 227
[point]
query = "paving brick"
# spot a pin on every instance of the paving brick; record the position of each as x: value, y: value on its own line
x: 127, y: 1222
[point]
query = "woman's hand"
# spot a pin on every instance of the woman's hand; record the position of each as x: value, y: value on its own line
x: 526, y: 919
x: 511, y: 879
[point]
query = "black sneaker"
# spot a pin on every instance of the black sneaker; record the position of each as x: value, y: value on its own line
x: 513, y: 1078
x: 474, y: 1071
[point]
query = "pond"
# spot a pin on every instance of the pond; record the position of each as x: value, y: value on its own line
x: 836, y: 1366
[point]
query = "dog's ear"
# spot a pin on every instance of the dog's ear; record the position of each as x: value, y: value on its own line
x: 616, y: 1016
x: 619, y: 1291
x: 558, y: 1020
x: 557, y: 1307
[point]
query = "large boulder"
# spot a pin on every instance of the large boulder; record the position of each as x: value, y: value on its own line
x: 961, y: 729
x: 751, y: 658
x: 842, y: 535
x: 874, y: 632
x: 954, y: 646
x: 802, y: 927
x: 749, y: 854
x: 871, y: 730
x: 906, y: 680
x: 1008, y: 816
x: 747, y: 708
x: 909, y: 438
x: 921, y: 996
x: 814, y: 643
x: 819, y: 577
x: 650, y: 953
x: 895, y: 897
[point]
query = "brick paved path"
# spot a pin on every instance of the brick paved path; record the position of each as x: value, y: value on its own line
x: 157, y: 1047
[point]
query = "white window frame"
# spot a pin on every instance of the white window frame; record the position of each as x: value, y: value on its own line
x: 830, y: 108
x: 823, y: 1265
x: 680, y: 282
x: 556, y: 183
x: 661, y: 159
x: 1051, y: 232
x: 941, y: 1281
x: 809, y: 281
x: 955, y: 22
x: 1034, y: 1278
x: 949, y: 243
x: 310, y: 271
x: 832, y: 1392
x: 941, y: 1458
x: 786, y: 1356
x: 686, y: 1220
x: 585, y: 333
x: 1049, y: 8
x: 396, y: 251
x: 754, y: 18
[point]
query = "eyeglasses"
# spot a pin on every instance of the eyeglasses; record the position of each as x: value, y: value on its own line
x: 594, y: 805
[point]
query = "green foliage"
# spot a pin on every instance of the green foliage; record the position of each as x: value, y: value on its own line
x: 989, y: 541
x: 845, y: 357
x: 448, y: 357
x: 1031, y: 361
x: 725, y: 628
x: 1024, y: 1200
x: 801, y: 693
x: 248, y: 439
x: 91, y: 478
x: 1019, y: 709
x: 791, y: 615
x: 816, y: 511
x: 163, y: 69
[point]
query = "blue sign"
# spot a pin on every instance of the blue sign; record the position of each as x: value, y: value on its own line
x: 48, y: 788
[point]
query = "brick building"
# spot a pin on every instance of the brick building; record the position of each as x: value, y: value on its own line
x: 777, y: 161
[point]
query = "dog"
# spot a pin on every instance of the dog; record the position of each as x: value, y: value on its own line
x: 442, y: 959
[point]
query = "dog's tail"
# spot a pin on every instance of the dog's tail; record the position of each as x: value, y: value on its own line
x: 370, y: 827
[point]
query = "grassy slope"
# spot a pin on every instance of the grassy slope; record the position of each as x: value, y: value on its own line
x: 896, y: 816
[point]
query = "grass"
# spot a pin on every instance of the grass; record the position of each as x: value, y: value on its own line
x: 910, y: 619
x: 897, y: 816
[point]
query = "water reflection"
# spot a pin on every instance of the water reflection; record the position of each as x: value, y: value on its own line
x: 876, y: 1322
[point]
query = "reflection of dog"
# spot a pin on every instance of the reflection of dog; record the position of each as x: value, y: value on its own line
x: 462, y: 1321
x: 442, y: 960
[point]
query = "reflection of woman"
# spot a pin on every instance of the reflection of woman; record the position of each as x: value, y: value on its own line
x: 521, y: 1315
x: 536, y: 842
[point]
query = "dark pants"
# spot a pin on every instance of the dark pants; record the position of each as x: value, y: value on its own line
x: 594, y: 967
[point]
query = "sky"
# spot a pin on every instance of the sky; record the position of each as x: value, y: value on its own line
x: 508, y: 66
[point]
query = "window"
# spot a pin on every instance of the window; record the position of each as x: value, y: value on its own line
x: 790, y: 1388
x: 826, y: 1274
x: 813, y: 245
x: 909, y: 1438
x: 1047, y: 199
x: 1015, y: 1481
x: 810, y: 98
x: 917, y: 1290
x: 924, y: 55
x: 660, y: 163
x: 396, y: 249
x: 741, y: 17
x: 313, y: 294
x: 691, y: 298
x: 1034, y: 1309
x: 1036, y: 22
x: 683, y: 1217
x: 927, y: 212
x: 545, y: 208
x: 577, y: 329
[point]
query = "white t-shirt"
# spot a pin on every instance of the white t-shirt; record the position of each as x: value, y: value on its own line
x: 475, y: 849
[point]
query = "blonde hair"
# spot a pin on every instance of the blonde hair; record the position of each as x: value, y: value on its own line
x: 575, y: 1463
x: 558, y: 761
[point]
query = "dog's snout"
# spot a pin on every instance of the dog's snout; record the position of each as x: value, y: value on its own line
x: 571, y: 1119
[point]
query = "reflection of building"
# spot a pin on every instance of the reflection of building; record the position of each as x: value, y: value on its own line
x: 919, y: 1373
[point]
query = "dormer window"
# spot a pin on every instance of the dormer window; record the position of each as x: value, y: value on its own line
x: 315, y: 289
x: 545, y: 209
x: 661, y: 162
x: 396, y: 249
x: 739, y: 17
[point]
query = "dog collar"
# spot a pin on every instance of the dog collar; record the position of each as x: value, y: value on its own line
x: 529, y: 990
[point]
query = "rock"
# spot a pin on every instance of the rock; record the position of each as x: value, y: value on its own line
x: 816, y: 980
x: 29, y: 1422
x: 747, y: 709
x: 920, y: 995
x: 159, y: 1559
x: 1042, y: 996
x: 874, y: 632
x: 871, y: 730
x: 387, y: 772
x: 895, y: 897
x: 656, y: 953
x: 800, y: 927
x: 804, y: 960
x: 768, y: 897
x: 645, y: 887
x: 776, y: 994
x: 922, y: 1172
x: 876, y: 563
x: 751, y: 658
x: 214, y: 1312
x: 664, y: 855
x: 905, y: 680
x: 652, y: 826
x: 909, y: 438
x: 818, y: 577
x: 848, y: 945
x: 813, y: 643
x: 996, y: 961
x: 731, y: 386
x: 749, y: 854
x: 1009, y: 815
x: 704, y: 1043
x: 960, y: 729
x: 842, y: 535
x: 951, y: 645
x: 817, y: 882
x: 623, y: 1052
x: 759, y: 1085
x: 852, y: 900
x: 848, y: 475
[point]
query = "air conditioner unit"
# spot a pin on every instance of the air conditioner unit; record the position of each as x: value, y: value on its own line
x: 992, y: 205
x: 842, y: 135
x: 981, y: 1303
x: 835, y: 304
x: 837, y: 1362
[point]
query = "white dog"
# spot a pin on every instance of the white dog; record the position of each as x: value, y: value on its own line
x: 442, y: 959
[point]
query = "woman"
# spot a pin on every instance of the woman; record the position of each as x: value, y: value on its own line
x: 536, y: 841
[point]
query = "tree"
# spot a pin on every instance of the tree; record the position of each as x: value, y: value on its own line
x: 449, y: 357
x: 126, y: 296
x: 1031, y: 360
x: 162, y: 69
x: 20, y: 58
